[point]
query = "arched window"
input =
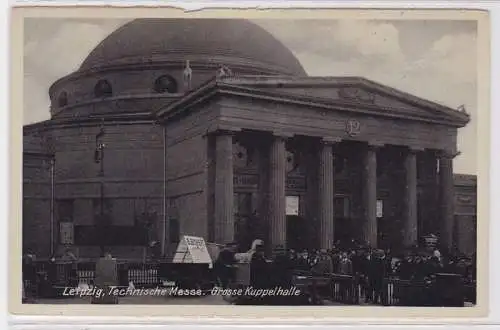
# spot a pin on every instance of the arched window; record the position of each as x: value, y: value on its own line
x: 103, y: 89
x: 165, y: 84
x: 62, y: 100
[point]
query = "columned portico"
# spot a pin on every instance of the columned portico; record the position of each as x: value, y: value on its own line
x: 410, y: 216
x: 326, y: 194
x: 447, y: 198
x: 224, y: 217
x: 369, y: 225
x: 290, y: 191
x: 277, y: 177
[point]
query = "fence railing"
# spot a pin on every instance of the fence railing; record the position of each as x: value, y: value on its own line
x: 344, y: 289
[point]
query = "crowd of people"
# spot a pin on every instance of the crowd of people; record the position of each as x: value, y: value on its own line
x: 370, y: 266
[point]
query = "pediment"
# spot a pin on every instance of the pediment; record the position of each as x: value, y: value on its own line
x: 357, y: 93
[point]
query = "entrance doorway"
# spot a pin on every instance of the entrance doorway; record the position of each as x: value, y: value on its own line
x: 296, y: 233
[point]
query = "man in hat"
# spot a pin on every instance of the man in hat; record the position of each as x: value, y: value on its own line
x: 377, y: 274
x: 282, y: 267
x: 324, y: 264
x: 224, y: 266
x: 259, y: 270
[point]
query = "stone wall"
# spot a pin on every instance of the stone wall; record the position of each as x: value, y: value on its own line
x: 187, y: 170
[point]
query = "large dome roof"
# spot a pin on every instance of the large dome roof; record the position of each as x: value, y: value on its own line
x: 148, y: 40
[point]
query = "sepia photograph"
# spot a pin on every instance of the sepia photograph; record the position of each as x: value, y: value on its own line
x: 192, y: 160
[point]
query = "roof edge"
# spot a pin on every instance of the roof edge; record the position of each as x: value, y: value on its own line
x: 220, y: 86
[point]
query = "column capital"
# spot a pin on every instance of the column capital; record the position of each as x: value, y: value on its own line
x: 221, y: 129
x: 374, y: 145
x: 282, y: 134
x: 330, y: 140
x: 447, y: 154
x: 414, y: 150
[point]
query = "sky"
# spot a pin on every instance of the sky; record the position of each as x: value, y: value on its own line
x: 435, y: 60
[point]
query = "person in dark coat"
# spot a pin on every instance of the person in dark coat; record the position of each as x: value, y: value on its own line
x: 224, y: 266
x: 377, y: 275
x: 281, y: 273
x: 29, y: 276
x: 324, y: 266
x: 282, y: 268
x: 259, y: 270
x: 345, y: 268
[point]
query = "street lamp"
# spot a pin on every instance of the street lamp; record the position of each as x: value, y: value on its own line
x: 52, y: 206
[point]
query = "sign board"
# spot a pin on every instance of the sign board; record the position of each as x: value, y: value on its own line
x: 66, y: 232
x: 380, y: 209
x: 431, y: 241
x: 192, y: 249
x: 106, y: 276
x: 292, y: 205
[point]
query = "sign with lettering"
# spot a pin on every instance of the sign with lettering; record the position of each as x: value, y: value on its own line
x: 295, y: 183
x: 66, y: 233
x: 352, y: 127
x: 292, y: 205
x: 246, y: 180
x: 380, y: 208
x: 431, y: 240
x: 192, y: 249
x: 252, y: 180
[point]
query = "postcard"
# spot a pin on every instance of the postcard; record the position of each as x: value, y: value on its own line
x: 229, y: 163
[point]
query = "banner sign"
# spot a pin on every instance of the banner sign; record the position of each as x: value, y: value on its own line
x: 66, y: 233
x: 380, y: 209
x: 292, y: 205
x: 192, y: 249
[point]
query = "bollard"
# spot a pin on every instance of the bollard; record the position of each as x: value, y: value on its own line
x: 106, y: 276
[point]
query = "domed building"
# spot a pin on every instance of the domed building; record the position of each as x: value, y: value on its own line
x: 212, y: 128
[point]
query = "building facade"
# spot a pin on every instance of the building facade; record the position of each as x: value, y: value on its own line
x: 198, y: 131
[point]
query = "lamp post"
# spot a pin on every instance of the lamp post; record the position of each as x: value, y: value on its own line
x: 52, y: 206
x: 99, y: 159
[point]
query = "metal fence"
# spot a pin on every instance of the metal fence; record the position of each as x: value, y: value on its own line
x: 339, y: 288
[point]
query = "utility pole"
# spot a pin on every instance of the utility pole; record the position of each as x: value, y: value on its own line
x: 52, y: 206
x: 99, y: 159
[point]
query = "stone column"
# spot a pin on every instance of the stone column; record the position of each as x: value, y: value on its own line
x: 277, y: 197
x: 447, y: 196
x: 326, y: 194
x: 224, y: 217
x: 369, y: 226
x: 410, y: 197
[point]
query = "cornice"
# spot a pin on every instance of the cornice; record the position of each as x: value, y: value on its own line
x: 113, y: 119
x: 45, y: 155
x: 346, y: 81
x: 136, y: 97
x: 196, y: 62
x: 219, y: 87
